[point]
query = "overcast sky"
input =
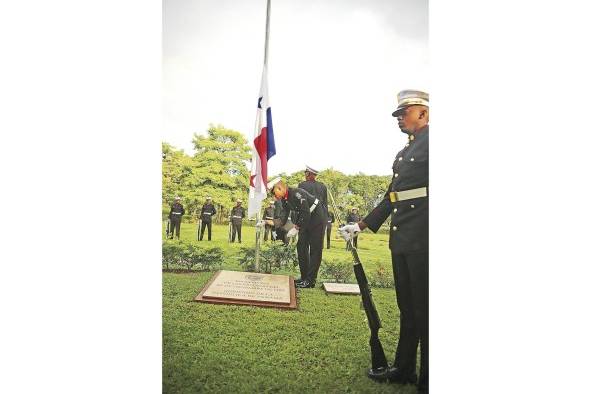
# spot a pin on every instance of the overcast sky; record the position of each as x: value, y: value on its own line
x: 335, y: 67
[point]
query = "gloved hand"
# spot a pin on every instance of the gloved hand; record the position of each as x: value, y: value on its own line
x: 292, y: 233
x: 260, y: 223
x: 349, y: 231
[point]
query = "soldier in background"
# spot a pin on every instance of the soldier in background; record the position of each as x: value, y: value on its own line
x: 269, y: 215
x: 176, y: 213
x: 237, y: 214
x: 315, y: 188
x: 352, y: 218
x: 329, y: 228
x: 207, y: 211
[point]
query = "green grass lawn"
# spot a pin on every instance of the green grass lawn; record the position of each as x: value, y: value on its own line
x: 322, y: 347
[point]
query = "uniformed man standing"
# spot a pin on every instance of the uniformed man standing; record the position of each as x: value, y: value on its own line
x: 237, y: 214
x: 407, y: 204
x: 309, y: 226
x: 207, y: 212
x: 352, y: 218
x: 268, y: 216
x: 315, y: 188
x: 176, y: 213
x: 329, y: 228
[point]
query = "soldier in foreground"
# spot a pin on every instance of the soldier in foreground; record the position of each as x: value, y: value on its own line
x: 309, y: 226
x: 207, y: 212
x: 237, y: 215
x: 407, y: 204
x: 176, y: 213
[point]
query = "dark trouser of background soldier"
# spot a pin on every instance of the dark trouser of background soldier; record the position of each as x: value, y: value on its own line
x: 237, y: 229
x: 411, y: 273
x: 269, y: 229
x: 175, y: 223
x: 203, y: 225
x: 328, y: 229
x: 309, y: 246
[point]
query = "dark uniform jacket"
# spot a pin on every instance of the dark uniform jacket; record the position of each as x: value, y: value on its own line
x: 176, y: 211
x: 269, y: 213
x: 353, y: 218
x: 330, y: 218
x: 207, y: 212
x: 317, y: 189
x: 237, y: 214
x: 409, y: 228
x: 299, y: 201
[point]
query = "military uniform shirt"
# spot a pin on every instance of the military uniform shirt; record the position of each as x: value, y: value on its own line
x: 299, y: 201
x: 176, y: 211
x: 409, y: 228
x: 207, y: 212
x: 237, y: 214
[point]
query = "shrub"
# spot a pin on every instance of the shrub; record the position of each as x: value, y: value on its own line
x: 340, y: 271
x: 274, y: 256
x: 381, y: 277
x: 188, y: 255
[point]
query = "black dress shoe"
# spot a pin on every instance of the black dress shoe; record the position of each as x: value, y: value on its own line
x: 391, y: 374
x: 298, y: 280
x: 303, y: 284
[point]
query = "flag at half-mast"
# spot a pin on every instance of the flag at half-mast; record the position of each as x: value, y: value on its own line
x: 263, y: 150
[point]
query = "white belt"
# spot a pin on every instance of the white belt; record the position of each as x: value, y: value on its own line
x: 207, y: 213
x: 268, y: 218
x: 237, y: 217
x: 408, y: 194
x: 176, y: 213
x: 313, y: 207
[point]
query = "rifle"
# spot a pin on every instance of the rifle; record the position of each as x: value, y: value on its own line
x: 167, y: 227
x: 199, y: 230
x: 378, y: 357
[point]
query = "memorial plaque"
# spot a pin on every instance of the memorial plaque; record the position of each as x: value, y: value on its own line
x: 249, y: 288
x: 342, y: 288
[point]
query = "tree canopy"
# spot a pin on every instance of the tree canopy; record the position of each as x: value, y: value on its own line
x: 219, y: 168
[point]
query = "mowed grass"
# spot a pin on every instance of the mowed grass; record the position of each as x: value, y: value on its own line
x: 322, y: 347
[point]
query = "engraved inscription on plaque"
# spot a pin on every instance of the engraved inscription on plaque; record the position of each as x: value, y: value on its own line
x: 250, y: 286
x: 342, y: 288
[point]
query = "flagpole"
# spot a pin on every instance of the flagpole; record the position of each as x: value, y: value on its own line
x: 257, y: 254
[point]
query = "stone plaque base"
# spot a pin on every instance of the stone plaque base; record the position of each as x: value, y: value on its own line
x: 342, y: 288
x: 249, y: 288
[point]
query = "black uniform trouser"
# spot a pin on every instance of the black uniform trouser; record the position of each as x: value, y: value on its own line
x: 328, y: 229
x: 268, y: 229
x: 411, y: 280
x: 237, y: 229
x: 203, y: 225
x: 175, y: 223
x: 309, y: 247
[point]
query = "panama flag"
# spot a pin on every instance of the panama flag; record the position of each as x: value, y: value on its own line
x: 263, y: 150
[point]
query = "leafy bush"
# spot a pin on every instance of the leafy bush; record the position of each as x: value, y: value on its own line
x: 381, y: 277
x: 188, y: 255
x: 271, y: 257
x: 339, y: 271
